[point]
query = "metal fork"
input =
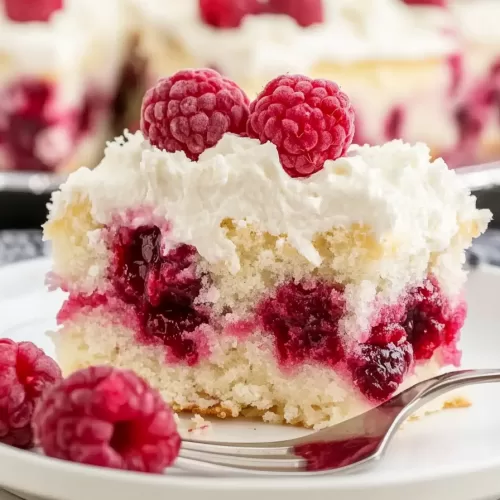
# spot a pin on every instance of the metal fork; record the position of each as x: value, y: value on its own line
x: 346, y: 447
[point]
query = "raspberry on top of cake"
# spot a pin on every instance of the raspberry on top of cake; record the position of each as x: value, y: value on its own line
x: 246, y: 259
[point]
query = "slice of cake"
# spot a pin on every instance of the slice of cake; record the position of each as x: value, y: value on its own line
x: 60, y: 68
x: 417, y: 70
x: 245, y: 260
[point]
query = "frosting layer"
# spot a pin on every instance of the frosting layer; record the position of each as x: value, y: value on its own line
x: 404, y: 199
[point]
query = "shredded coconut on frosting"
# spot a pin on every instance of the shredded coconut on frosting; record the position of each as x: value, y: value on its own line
x: 395, y: 190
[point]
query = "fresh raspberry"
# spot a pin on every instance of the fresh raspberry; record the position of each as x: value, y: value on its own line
x: 379, y: 370
x: 24, y: 11
x: 191, y: 110
x: 25, y: 372
x: 227, y: 13
x: 305, y: 12
x: 107, y: 417
x: 309, y: 121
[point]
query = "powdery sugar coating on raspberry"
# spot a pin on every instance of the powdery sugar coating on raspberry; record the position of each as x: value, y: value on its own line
x: 31, y: 10
x: 107, y: 417
x: 191, y: 110
x: 25, y: 373
x: 309, y: 121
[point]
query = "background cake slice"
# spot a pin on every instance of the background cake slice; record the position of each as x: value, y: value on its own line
x: 245, y: 261
x: 415, y: 70
x: 61, y: 67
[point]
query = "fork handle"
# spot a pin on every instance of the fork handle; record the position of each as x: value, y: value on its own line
x: 454, y: 380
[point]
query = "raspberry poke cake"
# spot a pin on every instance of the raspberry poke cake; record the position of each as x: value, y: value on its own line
x: 246, y: 260
x: 391, y: 56
x: 60, y: 68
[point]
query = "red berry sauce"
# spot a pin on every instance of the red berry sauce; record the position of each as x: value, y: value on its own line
x: 394, y: 123
x: 304, y: 322
x: 456, y: 68
x: 162, y: 292
x: 430, y: 322
x: 473, y: 113
x: 161, y: 289
x: 34, y: 136
x: 323, y: 455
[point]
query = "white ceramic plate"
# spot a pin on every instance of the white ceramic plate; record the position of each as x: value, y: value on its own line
x: 453, y: 455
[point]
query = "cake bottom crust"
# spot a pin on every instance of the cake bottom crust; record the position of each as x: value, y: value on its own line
x: 453, y: 402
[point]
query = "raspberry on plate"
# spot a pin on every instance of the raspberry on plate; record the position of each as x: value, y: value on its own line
x: 309, y: 121
x: 25, y: 373
x: 24, y: 11
x: 107, y: 417
x: 191, y: 110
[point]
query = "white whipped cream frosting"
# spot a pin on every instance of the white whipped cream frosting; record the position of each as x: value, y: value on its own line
x: 270, y: 44
x: 394, y: 188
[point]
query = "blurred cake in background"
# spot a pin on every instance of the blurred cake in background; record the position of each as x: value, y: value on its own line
x: 478, y: 111
x: 61, y: 66
x: 421, y: 70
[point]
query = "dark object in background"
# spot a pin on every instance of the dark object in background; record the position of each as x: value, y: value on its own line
x: 490, y: 198
x: 20, y: 210
x: 486, y: 249
x: 484, y: 182
x: 24, y: 197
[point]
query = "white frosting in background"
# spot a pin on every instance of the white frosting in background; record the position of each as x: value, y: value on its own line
x: 353, y: 30
x: 394, y: 188
x: 64, y: 46
x: 473, y: 20
x: 478, y: 20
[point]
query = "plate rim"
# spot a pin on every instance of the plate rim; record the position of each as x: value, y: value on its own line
x: 345, y: 482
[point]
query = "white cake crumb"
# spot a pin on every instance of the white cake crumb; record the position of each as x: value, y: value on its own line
x: 198, y: 425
